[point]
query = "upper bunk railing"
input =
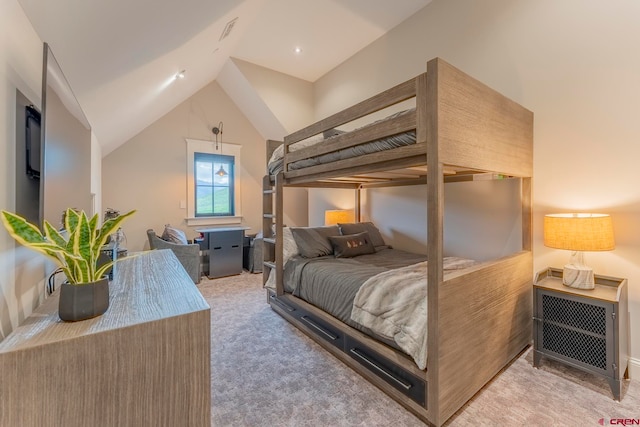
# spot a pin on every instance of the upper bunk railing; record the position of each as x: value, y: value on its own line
x: 373, y: 131
x: 470, y: 125
x: 395, y: 95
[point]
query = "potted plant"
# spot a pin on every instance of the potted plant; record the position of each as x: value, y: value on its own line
x: 76, y: 249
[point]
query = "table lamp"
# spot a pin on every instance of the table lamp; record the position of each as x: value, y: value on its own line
x: 339, y: 216
x: 578, y: 232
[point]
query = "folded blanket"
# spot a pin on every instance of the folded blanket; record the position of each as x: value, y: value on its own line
x: 393, y: 304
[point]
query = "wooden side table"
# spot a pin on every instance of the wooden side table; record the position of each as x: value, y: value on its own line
x: 584, y: 328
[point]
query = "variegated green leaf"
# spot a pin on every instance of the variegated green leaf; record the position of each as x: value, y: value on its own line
x: 54, y: 235
x: 103, y: 270
x: 76, y: 255
x: 21, y: 230
x: 109, y: 227
x: 84, y: 237
x: 71, y: 218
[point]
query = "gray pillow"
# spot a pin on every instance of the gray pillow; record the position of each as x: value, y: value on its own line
x: 352, y: 245
x: 174, y: 235
x: 359, y: 227
x: 313, y: 242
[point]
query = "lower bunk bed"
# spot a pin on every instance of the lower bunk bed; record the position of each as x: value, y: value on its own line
x: 370, y: 311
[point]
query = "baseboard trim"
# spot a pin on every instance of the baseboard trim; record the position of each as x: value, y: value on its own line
x: 634, y: 368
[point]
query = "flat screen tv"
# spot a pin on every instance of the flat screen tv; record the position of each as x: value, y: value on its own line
x: 65, y: 175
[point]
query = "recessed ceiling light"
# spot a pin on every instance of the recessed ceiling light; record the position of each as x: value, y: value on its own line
x: 297, y: 50
x: 181, y: 74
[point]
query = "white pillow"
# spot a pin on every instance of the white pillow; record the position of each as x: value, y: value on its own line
x: 174, y: 235
x: 289, y: 249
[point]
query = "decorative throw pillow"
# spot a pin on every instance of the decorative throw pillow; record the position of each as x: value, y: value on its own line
x: 359, y: 227
x: 352, y: 245
x: 174, y: 235
x: 313, y: 242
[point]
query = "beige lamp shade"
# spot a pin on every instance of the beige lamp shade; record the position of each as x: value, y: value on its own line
x: 342, y: 216
x: 579, y: 232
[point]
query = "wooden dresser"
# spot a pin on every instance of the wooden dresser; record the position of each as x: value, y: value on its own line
x: 145, y: 362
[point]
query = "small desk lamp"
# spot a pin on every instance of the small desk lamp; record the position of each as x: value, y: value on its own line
x: 343, y: 216
x: 578, y: 232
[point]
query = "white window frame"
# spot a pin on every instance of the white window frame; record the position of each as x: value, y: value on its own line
x: 227, y: 149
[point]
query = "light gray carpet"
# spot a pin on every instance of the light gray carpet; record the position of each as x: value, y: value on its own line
x: 267, y: 373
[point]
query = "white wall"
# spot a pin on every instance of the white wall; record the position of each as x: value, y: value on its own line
x: 290, y: 99
x: 96, y: 175
x: 22, y: 271
x: 20, y: 68
x: 572, y: 63
x: 149, y: 172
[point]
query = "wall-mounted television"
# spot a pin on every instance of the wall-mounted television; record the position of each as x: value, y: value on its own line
x: 65, y: 177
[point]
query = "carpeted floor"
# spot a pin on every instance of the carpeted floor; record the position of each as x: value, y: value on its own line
x: 264, y: 372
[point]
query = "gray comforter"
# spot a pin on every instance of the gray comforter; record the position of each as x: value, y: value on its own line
x: 331, y: 283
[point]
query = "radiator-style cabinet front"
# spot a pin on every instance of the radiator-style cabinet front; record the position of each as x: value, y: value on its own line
x: 586, y: 329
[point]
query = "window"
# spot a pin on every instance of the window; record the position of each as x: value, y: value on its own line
x: 214, y: 182
x: 213, y: 199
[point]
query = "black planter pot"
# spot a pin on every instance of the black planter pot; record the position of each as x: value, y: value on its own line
x: 80, y: 302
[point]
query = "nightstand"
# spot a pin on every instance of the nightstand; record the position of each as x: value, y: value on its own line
x: 587, y: 329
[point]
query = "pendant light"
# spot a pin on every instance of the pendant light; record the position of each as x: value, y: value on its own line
x: 218, y: 130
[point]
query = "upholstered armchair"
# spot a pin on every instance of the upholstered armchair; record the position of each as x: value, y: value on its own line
x: 188, y: 255
x: 252, y: 253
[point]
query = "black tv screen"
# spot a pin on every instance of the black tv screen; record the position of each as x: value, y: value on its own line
x: 33, y: 142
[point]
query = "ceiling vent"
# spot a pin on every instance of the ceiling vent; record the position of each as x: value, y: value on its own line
x: 228, y: 28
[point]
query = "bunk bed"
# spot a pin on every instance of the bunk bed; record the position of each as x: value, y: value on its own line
x: 478, y: 317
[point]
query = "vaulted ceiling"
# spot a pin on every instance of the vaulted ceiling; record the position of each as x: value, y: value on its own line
x: 121, y: 56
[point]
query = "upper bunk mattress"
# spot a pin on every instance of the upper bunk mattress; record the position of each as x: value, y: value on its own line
x: 276, y: 162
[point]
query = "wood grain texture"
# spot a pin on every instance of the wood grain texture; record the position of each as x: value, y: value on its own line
x: 392, y: 96
x: 481, y: 319
x: 428, y: 89
x: 279, y: 223
x: 268, y: 248
x: 480, y: 128
x: 485, y: 320
x: 145, y: 362
x: 608, y: 289
x: 527, y: 214
x: 410, y: 155
x: 382, y: 129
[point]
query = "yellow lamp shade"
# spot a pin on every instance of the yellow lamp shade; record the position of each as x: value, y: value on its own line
x: 579, y: 232
x: 340, y: 216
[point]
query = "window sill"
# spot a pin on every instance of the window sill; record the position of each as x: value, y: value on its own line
x: 214, y: 220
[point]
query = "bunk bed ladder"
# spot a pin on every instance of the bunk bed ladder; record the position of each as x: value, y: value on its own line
x: 272, y: 229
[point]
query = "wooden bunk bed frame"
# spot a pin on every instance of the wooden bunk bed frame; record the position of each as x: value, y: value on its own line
x: 479, y: 319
